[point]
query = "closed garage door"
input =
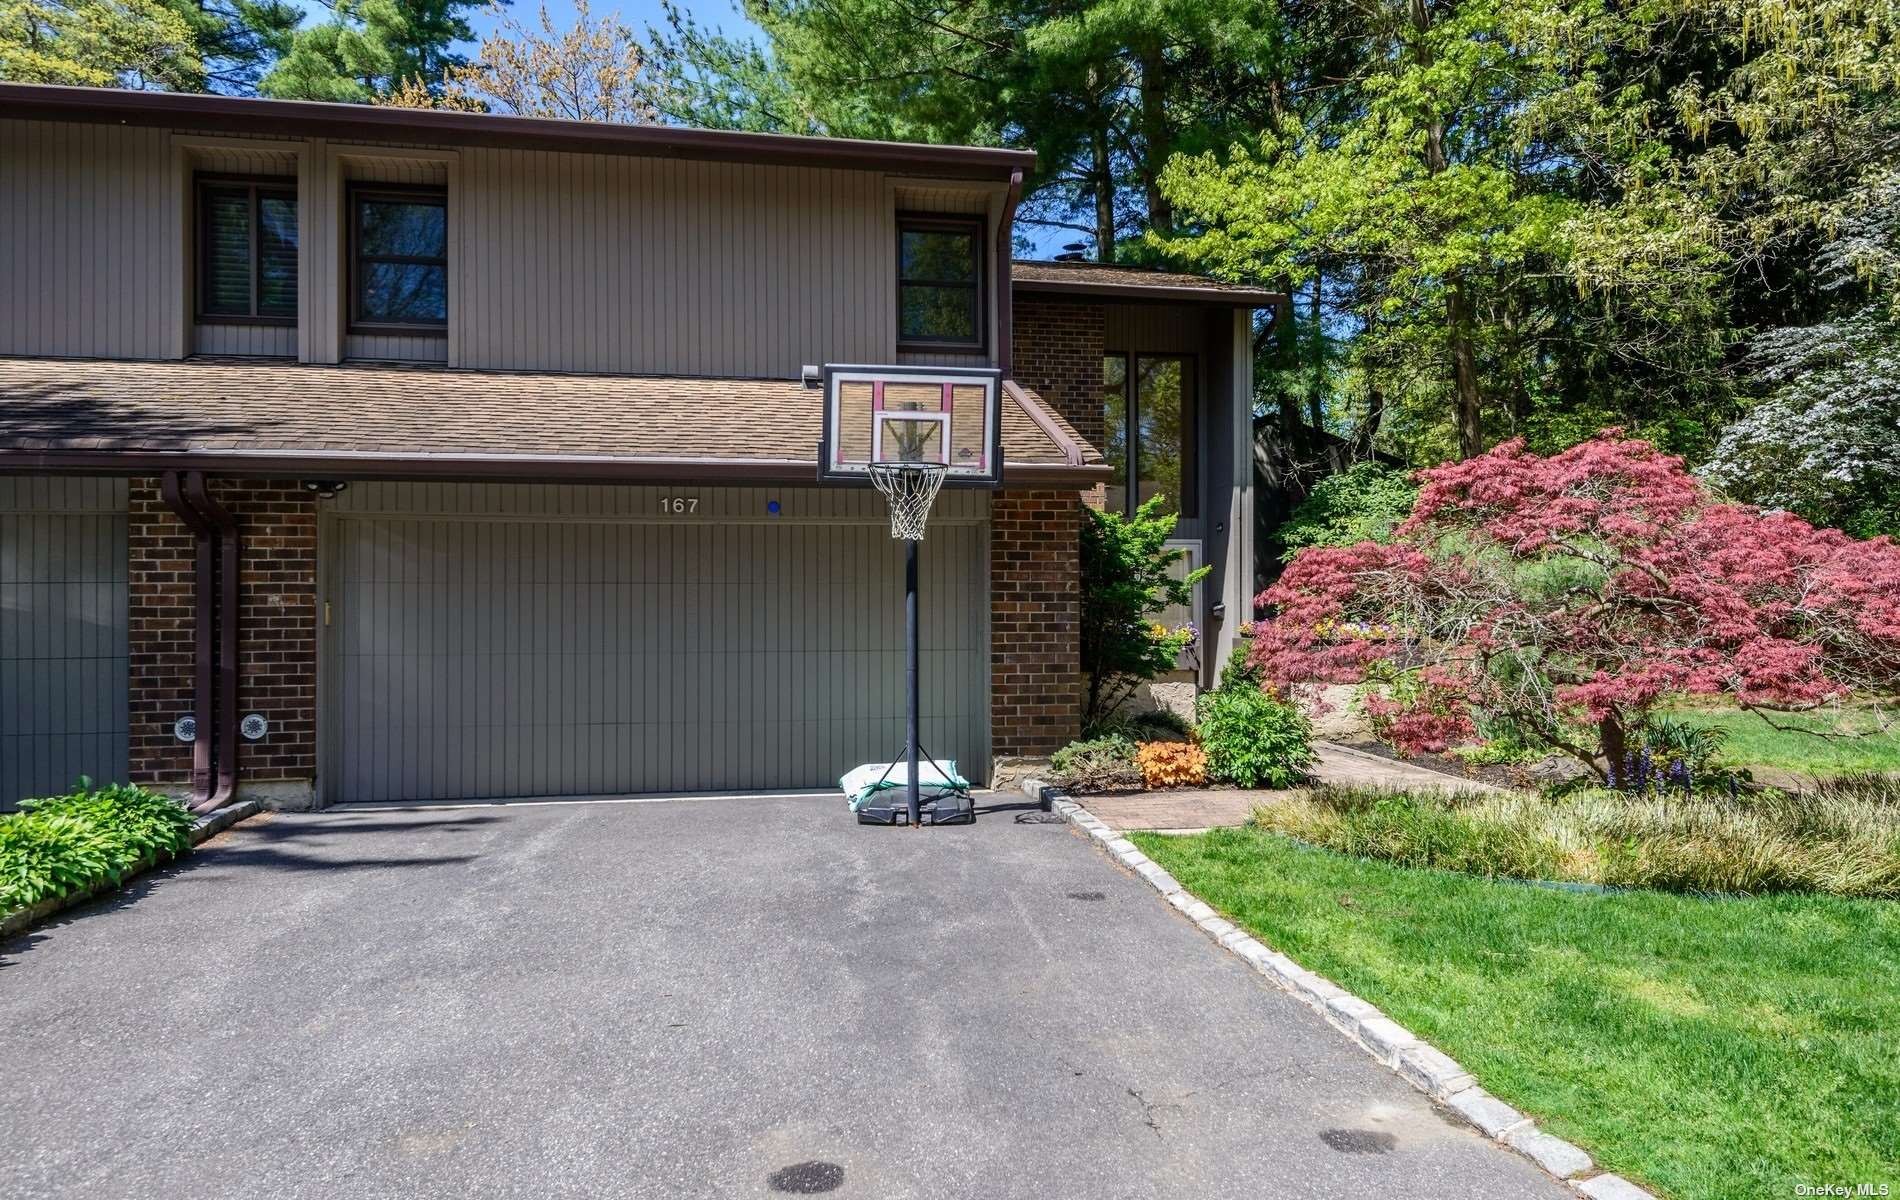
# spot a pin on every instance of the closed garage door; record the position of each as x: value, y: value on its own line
x: 62, y: 634
x: 583, y: 642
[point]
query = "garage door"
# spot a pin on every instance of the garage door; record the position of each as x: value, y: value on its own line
x: 554, y: 651
x: 62, y: 634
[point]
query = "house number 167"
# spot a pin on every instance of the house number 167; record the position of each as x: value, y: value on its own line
x: 679, y: 504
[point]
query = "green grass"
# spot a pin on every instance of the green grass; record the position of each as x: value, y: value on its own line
x: 1710, y: 1049
x: 1872, y: 742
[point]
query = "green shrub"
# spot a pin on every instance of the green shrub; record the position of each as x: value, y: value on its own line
x: 69, y: 843
x: 1238, y: 671
x: 1128, y: 579
x: 1845, y: 844
x: 1363, y: 503
x: 1097, y: 764
x: 1252, y: 739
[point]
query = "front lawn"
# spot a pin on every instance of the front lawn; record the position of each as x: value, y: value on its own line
x: 1865, y: 740
x: 1726, y: 1049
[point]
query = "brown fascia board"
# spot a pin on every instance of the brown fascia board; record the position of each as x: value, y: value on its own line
x: 1081, y: 289
x: 367, y: 122
x: 450, y: 468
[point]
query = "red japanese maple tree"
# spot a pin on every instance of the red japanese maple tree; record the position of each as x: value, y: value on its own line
x: 1572, y: 593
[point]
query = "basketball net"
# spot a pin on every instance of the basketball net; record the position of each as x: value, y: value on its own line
x: 910, y: 487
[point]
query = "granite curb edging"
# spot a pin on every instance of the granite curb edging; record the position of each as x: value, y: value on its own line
x: 1420, y: 1064
x: 206, y: 828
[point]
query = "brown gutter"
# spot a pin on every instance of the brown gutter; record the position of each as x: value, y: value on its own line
x: 368, y: 122
x: 229, y: 547
x: 1089, y: 289
x: 201, y: 638
x: 1005, y: 239
x: 1071, y: 449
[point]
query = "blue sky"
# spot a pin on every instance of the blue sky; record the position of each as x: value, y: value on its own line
x: 713, y: 14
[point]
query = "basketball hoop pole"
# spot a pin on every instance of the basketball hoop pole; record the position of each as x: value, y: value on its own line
x: 910, y: 677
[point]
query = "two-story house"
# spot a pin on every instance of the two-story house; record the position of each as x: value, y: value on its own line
x: 353, y: 454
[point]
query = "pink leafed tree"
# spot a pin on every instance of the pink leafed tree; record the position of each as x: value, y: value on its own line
x: 1572, y: 594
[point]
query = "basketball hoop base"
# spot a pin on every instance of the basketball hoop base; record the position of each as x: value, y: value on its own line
x: 892, y: 807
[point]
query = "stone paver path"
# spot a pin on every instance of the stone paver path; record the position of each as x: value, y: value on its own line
x: 1209, y: 808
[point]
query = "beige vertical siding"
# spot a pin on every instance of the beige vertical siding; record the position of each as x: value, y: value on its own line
x: 249, y: 341
x: 640, y: 265
x: 90, y: 262
x: 559, y: 262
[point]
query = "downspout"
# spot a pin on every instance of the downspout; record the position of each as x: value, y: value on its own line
x: 201, y: 638
x: 1005, y: 242
x: 229, y: 547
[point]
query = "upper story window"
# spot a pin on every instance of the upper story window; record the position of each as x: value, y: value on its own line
x: 939, y: 283
x: 399, y: 259
x: 1148, y: 409
x: 247, y: 250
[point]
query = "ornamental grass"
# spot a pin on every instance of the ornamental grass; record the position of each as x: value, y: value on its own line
x: 1843, y: 840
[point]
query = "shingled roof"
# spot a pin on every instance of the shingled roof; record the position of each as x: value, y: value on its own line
x: 1134, y: 283
x: 281, y: 418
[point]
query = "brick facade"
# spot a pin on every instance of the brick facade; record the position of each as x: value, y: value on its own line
x: 1035, y: 576
x: 1057, y: 350
x: 1035, y: 622
x: 277, y: 646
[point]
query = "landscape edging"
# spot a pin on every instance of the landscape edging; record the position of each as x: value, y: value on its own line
x: 1414, y: 1060
x: 206, y: 827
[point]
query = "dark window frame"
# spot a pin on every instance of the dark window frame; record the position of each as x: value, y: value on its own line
x: 259, y: 186
x: 402, y: 194
x: 976, y: 227
x: 1131, y: 426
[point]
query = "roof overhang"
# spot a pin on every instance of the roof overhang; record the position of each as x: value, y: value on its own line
x: 466, y: 468
x: 1139, y: 293
x: 366, y: 122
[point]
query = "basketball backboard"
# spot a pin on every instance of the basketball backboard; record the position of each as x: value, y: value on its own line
x: 946, y: 415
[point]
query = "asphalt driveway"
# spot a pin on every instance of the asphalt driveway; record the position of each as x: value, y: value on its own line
x: 693, y: 998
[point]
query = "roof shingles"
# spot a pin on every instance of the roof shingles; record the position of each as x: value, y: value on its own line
x: 204, y: 406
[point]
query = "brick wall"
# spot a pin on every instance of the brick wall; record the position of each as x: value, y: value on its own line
x: 1057, y: 350
x: 1035, y: 584
x: 277, y: 648
x: 1035, y: 622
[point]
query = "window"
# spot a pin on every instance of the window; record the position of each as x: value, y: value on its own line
x: 939, y: 283
x: 1148, y: 419
x: 399, y: 260
x: 247, y: 251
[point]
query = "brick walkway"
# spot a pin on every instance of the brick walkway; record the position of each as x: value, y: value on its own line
x: 1211, y: 807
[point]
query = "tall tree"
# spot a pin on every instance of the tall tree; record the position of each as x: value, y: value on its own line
x: 177, y: 45
x: 370, y: 49
x: 97, y: 43
x: 588, y: 71
x: 1105, y: 91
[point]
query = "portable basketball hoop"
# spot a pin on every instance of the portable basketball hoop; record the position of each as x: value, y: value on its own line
x: 912, y: 431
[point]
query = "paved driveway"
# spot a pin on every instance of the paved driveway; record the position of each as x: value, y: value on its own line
x: 695, y: 998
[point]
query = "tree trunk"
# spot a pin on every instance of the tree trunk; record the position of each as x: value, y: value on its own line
x: 1615, y: 746
x: 1157, y: 139
x: 1102, y: 172
x: 1464, y: 369
x: 1315, y: 400
x: 1464, y: 359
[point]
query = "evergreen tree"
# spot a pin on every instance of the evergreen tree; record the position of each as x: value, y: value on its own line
x: 370, y: 49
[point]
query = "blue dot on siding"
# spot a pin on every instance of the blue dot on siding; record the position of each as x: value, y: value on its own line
x: 771, y: 506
